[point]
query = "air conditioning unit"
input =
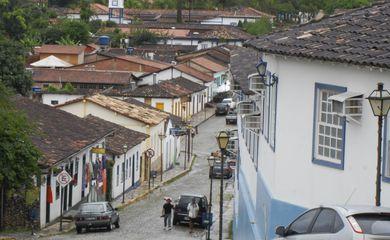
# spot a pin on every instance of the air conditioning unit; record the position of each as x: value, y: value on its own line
x: 245, y: 107
x: 349, y: 105
x: 256, y: 83
x: 252, y: 121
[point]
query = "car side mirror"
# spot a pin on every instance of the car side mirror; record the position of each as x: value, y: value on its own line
x: 281, y: 231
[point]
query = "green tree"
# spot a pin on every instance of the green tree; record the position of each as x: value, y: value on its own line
x: 141, y: 36
x: 85, y: 11
x: 12, y: 69
x: 19, y: 157
x: 260, y: 27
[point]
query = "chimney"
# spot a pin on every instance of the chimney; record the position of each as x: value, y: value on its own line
x: 154, y: 78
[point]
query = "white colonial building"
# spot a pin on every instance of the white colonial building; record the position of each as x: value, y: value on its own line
x: 308, y: 136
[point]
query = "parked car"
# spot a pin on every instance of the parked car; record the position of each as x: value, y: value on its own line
x: 231, y: 117
x: 96, y: 215
x: 215, y: 171
x: 181, y: 213
x: 221, y: 109
x: 336, y: 222
x: 230, y: 102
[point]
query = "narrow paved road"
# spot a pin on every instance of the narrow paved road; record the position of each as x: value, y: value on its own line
x: 142, y: 220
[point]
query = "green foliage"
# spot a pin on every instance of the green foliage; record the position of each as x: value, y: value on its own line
x: 165, y: 4
x: 67, y: 41
x: 141, y: 36
x: 260, y: 27
x: 95, y: 25
x: 19, y: 157
x: 74, y: 30
x: 68, y: 88
x: 111, y: 24
x: 12, y: 69
x: 85, y: 11
x: 139, y: 4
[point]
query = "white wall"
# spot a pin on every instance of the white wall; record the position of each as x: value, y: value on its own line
x: 117, y: 183
x: 47, y: 98
x: 228, y: 21
x: 55, y: 209
x: 289, y: 172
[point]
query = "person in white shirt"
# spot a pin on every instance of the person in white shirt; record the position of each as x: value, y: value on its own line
x: 193, y: 210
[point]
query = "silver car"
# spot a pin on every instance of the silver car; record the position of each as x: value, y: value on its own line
x: 96, y: 215
x: 339, y: 223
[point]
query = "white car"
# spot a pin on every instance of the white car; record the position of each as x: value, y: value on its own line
x: 339, y: 223
x: 229, y: 102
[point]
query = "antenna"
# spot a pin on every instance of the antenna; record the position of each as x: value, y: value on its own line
x: 349, y: 198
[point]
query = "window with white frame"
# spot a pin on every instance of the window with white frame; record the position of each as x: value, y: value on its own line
x: 329, y: 128
x: 272, y: 115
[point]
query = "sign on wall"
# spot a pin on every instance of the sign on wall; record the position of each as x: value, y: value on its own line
x: 63, y: 178
x: 115, y: 4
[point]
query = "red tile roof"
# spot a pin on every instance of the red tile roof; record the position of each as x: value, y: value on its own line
x: 195, y: 73
x: 81, y: 76
x: 143, y: 61
x: 208, y: 64
x: 60, y: 49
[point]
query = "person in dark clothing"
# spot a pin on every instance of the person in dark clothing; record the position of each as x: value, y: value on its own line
x: 167, y: 214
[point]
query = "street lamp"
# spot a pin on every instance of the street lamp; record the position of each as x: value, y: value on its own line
x: 211, y: 161
x: 261, y: 68
x: 223, y: 140
x: 123, y: 171
x: 380, y: 103
x: 161, y: 136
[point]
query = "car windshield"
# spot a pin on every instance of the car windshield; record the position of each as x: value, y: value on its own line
x: 374, y: 224
x: 92, y: 208
x: 185, y: 200
x: 226, y: 101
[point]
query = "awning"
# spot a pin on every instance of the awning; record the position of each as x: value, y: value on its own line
x: 344, y: 96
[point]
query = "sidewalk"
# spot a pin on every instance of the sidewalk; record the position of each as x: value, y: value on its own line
x: 141, y: 191
x: 228, y: 205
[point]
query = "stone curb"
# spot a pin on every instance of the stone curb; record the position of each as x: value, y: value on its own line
x: 204, y: 120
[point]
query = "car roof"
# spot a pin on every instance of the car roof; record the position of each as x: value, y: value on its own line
x: 230, y: 99
x: 349, y: 210
x: 192, y: 195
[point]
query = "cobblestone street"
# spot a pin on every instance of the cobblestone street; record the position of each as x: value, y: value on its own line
x: 142, y: 219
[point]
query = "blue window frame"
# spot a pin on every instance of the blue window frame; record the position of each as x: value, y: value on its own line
x: 328, y: 128
x: 386, y: 152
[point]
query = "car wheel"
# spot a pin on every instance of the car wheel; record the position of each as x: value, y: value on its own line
x: 117, y: 224
x: 79, y: 230
x: 109, y: 227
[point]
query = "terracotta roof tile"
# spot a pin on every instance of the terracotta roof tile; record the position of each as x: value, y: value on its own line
x: 133, y: 111
x: 121, y: 135
x: 60, y: 134
x: 195, y: 73
x: 208, y: 64
x: 80, y: 76
x: 358, y: 37
x: 60, y: 49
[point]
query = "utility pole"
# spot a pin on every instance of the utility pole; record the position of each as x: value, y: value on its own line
x: 189, y: 144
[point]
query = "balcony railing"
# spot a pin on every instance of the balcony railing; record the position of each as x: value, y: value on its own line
x: 256, y: 83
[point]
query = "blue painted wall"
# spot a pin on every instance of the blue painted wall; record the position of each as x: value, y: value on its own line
x: 258, y: 221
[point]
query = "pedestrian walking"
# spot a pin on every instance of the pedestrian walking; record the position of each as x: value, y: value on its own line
x: 167, y: 213
x: 193, y: 209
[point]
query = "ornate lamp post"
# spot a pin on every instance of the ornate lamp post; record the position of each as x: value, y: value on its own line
x: 380, y: 103
x: 223, y: 140
x: 123, y: 171
x: 162, y: 137
x: 211, y: 161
